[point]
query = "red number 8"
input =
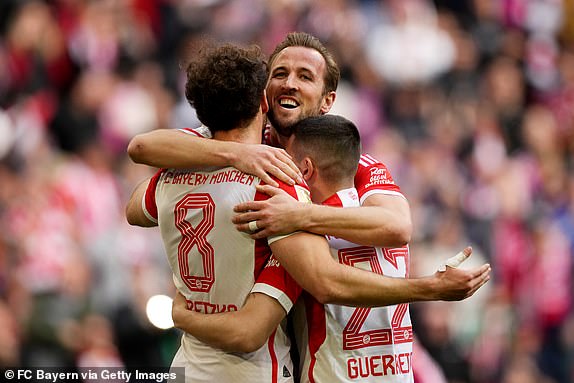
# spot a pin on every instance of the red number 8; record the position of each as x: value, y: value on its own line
x: 196, y: 236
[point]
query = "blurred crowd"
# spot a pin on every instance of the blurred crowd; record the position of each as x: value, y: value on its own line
x: 469, y: 103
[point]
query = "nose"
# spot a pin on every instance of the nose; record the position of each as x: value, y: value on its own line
x: 290, y: 82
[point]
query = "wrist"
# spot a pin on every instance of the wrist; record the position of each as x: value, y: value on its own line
x: 304, y: 217
x: 427, y: 288
x: 228, y: 153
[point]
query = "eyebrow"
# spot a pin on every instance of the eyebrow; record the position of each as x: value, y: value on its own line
x: 278, y: 69
x: 298, y: 70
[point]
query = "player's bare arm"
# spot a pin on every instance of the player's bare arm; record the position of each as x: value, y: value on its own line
x: 248, y: 329
x: 383, y: 220
x: 307, y: 258
x: 245, y: 330
x: 134, y: 211
x: 170, y: 148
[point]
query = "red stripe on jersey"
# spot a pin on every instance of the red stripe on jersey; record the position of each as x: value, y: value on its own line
x: 316, y: 328
x: 333, y: 200
x: 261, y: 247
x: 149, y: 197
x: 262, y: 254
x: 367, y: 160
x: 192, y: 131
x: 391, y: 255
x: 274, y: 364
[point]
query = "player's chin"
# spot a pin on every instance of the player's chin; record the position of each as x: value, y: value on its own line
x: 284, y: 123
x: 284, y: 130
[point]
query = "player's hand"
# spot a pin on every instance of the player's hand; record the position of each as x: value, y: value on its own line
x: 179, y: 310
x: 264, y: 161
x: 457, y: 284
x: 280, y: 214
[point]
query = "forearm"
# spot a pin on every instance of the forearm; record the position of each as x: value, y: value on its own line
x: 382, y: 221
x: 354, y: 287
x: 367, y: 225
x: 245, y: 330
x: 208, y: 328
x: 307, y: 258
x: 169, y: 148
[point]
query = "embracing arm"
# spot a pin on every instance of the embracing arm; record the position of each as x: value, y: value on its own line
x: 170, y: 148
x: 134, y: 211
x: 307, y: 258
x: 383, y: 220
x: 245, y: 330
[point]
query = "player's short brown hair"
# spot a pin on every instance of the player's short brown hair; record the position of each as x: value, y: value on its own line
x: 225, y: 84
x: 306, y: 40
x: 333, y: 142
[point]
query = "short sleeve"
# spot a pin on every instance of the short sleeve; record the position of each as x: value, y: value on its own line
x: 276, y: 282
x: 373, y: 177
x: 149, y: 205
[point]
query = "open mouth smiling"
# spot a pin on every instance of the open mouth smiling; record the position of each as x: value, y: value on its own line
x: 288, y: 103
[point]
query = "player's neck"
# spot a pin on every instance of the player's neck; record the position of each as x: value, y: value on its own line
x: 321, y: 190
x: 250, y: 134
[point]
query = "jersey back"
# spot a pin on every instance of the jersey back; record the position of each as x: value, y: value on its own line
x: 215, y: 266
x: 347, y: 344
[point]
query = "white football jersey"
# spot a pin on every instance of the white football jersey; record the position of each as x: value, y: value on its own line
x: 347, y: 344
x: 215, y: 266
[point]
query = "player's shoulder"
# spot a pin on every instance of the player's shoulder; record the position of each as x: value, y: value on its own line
x: 299, y: 191
x: 372, y: 172
x: 366, y: 160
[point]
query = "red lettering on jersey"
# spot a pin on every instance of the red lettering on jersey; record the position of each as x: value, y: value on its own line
x: 374, y: 364
x: 373, y: 176
x: 184, y: 178
x: 403, y: 362
x: 231, y: 176
x: 273, y: 263
x: 391, y: 255
x: 209, y: 308
x: 379, y: 176
x: 200, y: 179
x: 379, y: 365
x: 388, y: 364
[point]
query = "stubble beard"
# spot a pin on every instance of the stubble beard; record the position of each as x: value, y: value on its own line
x: 284, y: 126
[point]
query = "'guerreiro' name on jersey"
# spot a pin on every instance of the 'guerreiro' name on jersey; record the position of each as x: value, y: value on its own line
x: 356, y: 344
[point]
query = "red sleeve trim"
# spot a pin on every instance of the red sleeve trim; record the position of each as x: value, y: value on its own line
x: 149, y: 202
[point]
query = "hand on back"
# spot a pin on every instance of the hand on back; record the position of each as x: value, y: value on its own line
x: 279, y: 214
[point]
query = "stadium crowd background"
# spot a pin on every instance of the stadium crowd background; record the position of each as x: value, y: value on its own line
x: 469, y: 103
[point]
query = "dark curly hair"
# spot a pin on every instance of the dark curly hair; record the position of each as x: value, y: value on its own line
x: 225, y: 84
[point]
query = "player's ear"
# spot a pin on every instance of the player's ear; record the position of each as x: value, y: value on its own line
x: 328, y: 101
x: 307, y: 168
x: 264, y: 103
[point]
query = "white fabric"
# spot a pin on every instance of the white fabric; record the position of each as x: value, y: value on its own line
x: 357, y: 344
